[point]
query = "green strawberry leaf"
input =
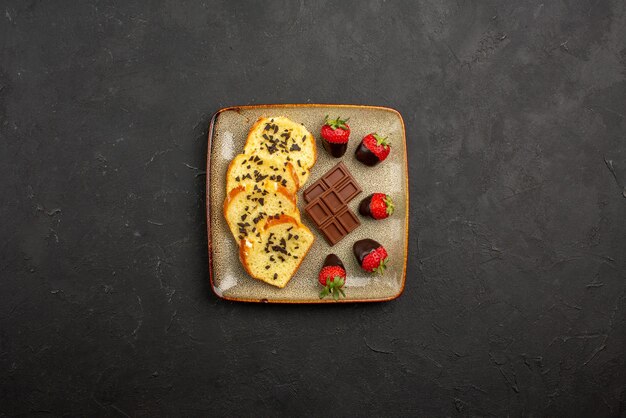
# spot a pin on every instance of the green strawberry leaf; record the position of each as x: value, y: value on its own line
x: 390, y: 205
x: 338, y: 281
x: 381, y: 267
x: 336, y: 123
x: 333, y: 287
x: 381, y: 140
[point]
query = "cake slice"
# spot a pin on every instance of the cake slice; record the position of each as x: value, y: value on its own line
x: 283, y: 244
x: 244, y: 209
x: 286, y: 138
x: 248, y: 170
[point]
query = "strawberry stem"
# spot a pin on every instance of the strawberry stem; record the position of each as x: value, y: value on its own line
x: 333, y: 287
x: 381, y: 140
x: 381, y: 267
x: 390, y: 206
x: 336, y: 123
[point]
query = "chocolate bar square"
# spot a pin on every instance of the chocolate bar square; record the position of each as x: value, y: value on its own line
x: 336, y: 175
x: 314, y: 190
x: 333, y: 231
x: 332, y: 200
x: 318, y: 211
x: 348, y: 190
x: 348, y: 220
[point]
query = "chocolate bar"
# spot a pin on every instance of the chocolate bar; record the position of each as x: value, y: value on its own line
x: 327, y: 201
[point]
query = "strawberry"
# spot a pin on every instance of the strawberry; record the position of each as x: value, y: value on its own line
x: 377, y: 205
x: 335, y: 134
x: 371, y: 255
x: 332, y: 277
x: 373, y: 149
x: 375, y: 261
x: 336, y: 131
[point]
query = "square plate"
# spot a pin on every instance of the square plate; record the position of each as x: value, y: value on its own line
x: 227, y: 135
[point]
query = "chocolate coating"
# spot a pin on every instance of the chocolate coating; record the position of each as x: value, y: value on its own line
x: 334, y: 149
x: 364, y: 206
x: 333, y: 260
x: 364, y: 155
x: 363, y: 247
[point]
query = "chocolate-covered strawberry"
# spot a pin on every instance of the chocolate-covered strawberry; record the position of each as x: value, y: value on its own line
x: 373, y: 149
x: 335, y: 134
x: 332, y: 277
x: 372, y: 256
x: 377, y: 205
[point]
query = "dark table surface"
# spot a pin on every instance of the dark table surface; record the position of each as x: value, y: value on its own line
x: 515, y: 298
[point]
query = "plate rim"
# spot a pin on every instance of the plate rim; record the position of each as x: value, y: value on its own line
x: 208, y: 204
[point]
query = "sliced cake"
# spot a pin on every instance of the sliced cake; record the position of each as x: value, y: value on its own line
x: 244, y: 209
x: 282, y: 136
x: 276, y: 256
x: 251, y: 169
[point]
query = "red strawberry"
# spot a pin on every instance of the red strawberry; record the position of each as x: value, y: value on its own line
x: 377, y: 205
x: 371, y: 255
x: 335, y: 134
x: 336, y: 131
x: 332, y: 278
x: 373, y: 149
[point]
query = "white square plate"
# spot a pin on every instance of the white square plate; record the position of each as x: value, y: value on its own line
x: 227, y: 135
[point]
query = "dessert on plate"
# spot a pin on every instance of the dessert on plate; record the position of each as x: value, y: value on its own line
x: 261, y: 203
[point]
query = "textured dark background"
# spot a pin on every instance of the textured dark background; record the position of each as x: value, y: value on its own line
x: 515, y: 298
